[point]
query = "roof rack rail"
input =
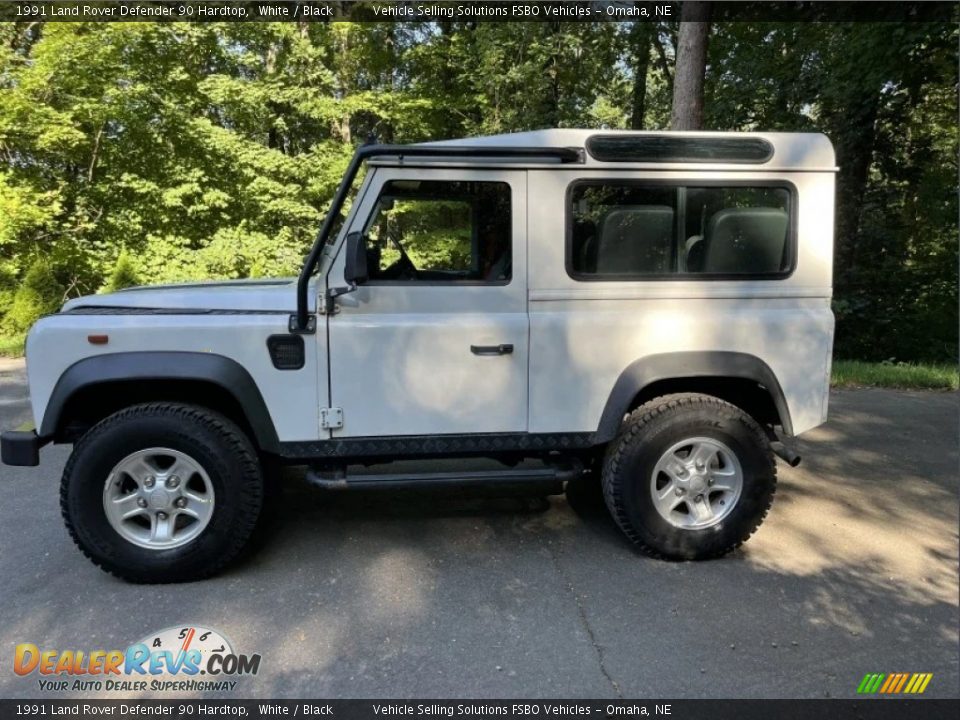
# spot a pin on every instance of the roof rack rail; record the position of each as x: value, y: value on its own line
x: 300, y: 323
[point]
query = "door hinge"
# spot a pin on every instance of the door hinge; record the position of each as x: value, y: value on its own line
x: 331, y: 418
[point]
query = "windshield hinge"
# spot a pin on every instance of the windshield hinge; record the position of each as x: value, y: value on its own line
x: 331, y: 418
x: 295, y: 328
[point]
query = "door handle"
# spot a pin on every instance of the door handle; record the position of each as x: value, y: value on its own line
x: 504, y: 349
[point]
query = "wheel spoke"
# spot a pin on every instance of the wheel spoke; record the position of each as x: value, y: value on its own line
x: 189, y: 512
x: 183, y: 469
x: 725, y: 485
x: 666, y: 497
x: 125, y: 506
x: 702, y: 454
x: 702, y: 510
x: 126, y: 499
x: 161, y: 529
x: 140, y: 468
x: 195, y: 497
x: 675, y: 466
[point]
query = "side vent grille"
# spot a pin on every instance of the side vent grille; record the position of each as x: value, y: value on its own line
x: 286, y: 351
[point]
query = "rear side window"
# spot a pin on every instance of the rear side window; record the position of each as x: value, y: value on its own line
x: 623, y: 231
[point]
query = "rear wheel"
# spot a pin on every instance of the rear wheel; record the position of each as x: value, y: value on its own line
x: 162, y: 493
x: 689, y: 477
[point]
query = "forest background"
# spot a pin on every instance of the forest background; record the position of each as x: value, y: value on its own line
x: 154, y: 152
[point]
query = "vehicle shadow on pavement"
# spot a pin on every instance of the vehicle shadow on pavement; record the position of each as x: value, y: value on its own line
x: 854, y: 571
x: 482, y: 593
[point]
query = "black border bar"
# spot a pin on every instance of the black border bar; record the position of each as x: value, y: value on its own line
x: 421, y: 11
x: 876, y: 708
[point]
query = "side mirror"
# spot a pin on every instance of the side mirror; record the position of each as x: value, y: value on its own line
x: 355, y: 269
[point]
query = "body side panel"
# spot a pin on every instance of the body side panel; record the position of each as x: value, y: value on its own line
x: 290, y: 396
x: 585, y: 334
x: 401, y: 360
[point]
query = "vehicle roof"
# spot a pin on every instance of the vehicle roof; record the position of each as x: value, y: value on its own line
x: 791, y: 151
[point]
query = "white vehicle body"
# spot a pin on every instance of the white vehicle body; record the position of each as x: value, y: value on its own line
x: 595, y: 273
x: 398, y: 357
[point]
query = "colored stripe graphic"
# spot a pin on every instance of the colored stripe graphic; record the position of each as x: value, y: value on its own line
x: 918, y: 683
x: 894, y: 683
x: 891, y: 683
x: 870, y: 683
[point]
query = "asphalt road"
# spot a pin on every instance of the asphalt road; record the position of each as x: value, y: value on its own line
x: 461, y: 594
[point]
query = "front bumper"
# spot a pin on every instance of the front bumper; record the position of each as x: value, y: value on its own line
x: 21, y: 447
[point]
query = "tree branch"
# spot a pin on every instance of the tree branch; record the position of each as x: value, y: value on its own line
x: 662, y: 57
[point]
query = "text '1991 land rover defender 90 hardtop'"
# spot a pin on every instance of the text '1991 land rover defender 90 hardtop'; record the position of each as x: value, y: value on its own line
x: 648, y: 309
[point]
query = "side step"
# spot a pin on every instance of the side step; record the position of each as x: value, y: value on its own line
x: 341, y: 480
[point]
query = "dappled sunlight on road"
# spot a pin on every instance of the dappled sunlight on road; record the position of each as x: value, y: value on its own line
x: 400, y: 580
x: 887, y: 511
x: 480, y: 593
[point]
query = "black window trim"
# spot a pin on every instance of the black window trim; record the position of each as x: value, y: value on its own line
x: 792, y: 214
x: 449, y: 283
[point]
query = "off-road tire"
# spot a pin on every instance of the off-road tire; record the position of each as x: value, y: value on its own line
x: 643, y: 438
x: 223, y: 450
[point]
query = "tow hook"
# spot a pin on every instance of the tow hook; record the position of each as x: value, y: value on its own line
x: 785, y: 453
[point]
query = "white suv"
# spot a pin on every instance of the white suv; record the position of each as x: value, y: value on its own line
x: 650, y: 308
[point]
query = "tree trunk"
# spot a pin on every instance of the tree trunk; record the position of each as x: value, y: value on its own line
x: 640, y: 37
x: 691, y: 67
x: 270, y: 69
x: 855, y: 145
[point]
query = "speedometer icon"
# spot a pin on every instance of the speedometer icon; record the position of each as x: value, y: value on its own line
x: 181, y: 639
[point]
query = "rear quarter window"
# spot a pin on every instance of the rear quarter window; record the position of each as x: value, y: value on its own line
x: 620, y: 230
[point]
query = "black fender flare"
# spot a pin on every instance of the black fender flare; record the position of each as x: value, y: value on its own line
x: 677, y: 365
x: 146, y: 366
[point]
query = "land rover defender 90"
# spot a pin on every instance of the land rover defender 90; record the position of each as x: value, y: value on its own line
x: 647, y: 309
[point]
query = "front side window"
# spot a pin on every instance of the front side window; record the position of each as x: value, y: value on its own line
x: 440, y: 231
x: 630, y: 231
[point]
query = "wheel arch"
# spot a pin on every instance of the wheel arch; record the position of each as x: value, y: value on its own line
x: 97, y: 386
x: 739, y: 378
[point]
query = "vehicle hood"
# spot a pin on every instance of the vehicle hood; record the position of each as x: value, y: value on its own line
x: 238, y: 295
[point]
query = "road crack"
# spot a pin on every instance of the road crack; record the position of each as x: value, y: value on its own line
x: 585, y: 622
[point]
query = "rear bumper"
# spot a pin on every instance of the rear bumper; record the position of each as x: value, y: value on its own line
x: 21, y: 447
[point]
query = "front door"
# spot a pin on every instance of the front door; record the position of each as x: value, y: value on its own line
x: 436, y: 341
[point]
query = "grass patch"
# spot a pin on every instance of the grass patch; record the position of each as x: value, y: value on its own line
x: 855, y: 373
x: 11, y: 346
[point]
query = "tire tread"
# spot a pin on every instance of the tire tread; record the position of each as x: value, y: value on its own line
x: 236, y: 442
x: 631, y: 432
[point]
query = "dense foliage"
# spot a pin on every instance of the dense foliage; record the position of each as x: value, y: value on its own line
x: 152, y: 152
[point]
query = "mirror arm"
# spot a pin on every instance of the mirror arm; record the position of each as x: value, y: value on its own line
x: 331, y: 295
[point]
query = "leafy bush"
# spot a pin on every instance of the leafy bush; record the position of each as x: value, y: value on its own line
x: 8, y: 288
x: 40, y: 293
x: 124, y: 274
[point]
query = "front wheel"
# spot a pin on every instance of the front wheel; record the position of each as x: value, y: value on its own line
x: 162, y: 492
x: 689, y: 477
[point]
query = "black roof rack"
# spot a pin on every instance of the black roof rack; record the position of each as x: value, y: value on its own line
x: 301, y: 322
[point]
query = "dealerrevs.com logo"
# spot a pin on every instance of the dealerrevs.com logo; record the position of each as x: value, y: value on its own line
x: 178, y: 659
